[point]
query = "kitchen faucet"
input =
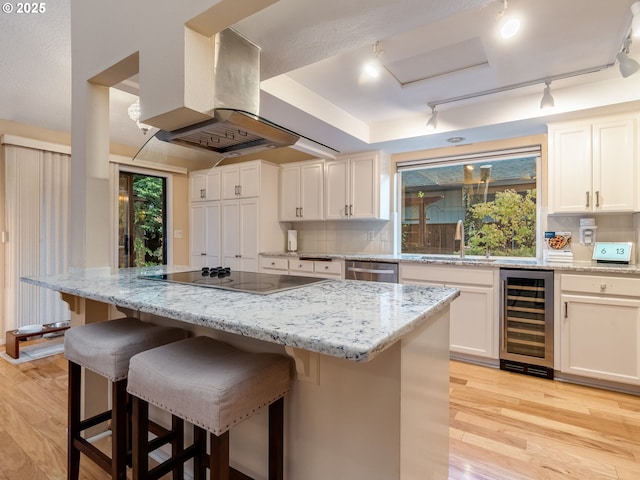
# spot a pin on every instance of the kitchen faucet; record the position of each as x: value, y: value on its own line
x: 460, y: 236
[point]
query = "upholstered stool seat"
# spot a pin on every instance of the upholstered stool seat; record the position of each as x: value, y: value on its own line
x: 214, y: 386
x: 106, y: 348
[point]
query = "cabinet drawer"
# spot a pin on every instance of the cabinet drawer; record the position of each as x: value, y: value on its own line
x: 328, y: 268
x: 305, y: 266
x: 445, y: 274
x: 628, y: 286
x: 271, y: 263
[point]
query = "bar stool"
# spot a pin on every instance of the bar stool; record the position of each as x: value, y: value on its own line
x: 214, y: 386
x: 106, y: 348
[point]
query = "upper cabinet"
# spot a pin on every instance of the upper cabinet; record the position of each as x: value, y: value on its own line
x: 204, y: 185
x: 357, y: 187
x: 241, y: 180
x: 592, y: 166
x: 301, y: 191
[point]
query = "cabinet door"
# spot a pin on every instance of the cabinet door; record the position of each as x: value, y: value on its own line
x: 231, y: 234
x: 205, y: 235
x: 249, y: 176
x: 212, y: 185
x: 311, y: 191
x: 248, y: 235
x: 197, y: 186
x: 473, y: 321
x: 363, y: 187
x: 614, y: 166
x: 230, y: 179
x: 289, y: 194
x: 570, y: 169
x: 601, y: 338
x: 335, y: 190
x: 197, y: 237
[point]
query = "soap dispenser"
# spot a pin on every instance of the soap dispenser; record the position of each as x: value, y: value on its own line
x: 588, y: 231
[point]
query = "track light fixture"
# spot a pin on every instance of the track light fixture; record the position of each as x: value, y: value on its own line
x: 374, y: 66
x: 134, y: 114
x: 433, y: 121
x: 509, y: 25
x: 628, y: 66
x: 547, y: 99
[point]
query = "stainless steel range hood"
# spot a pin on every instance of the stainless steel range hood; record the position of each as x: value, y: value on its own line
x: 235, y: 127
x: 231, y: 133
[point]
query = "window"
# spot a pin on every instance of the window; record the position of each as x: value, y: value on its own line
x: 494, y: 196
x: 142, y: 211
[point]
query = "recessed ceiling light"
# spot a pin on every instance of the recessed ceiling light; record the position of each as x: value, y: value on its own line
x: 455, y: 140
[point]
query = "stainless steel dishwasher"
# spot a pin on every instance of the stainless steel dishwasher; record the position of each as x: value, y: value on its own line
x: 372, y: 271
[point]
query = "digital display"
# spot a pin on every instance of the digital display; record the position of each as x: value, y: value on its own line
x: 612, y: 252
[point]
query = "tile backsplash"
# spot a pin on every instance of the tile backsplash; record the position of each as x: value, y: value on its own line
x: 611, y: 228
x: 349, y: 236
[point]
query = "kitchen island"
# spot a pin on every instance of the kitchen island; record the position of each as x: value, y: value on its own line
x: 370, y: 400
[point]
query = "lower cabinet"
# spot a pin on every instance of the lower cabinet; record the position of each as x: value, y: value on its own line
x: 205, y: 234
x: 474, y: 315
x: 304, y: 268
x: 240, y: 234
x: 600, y: 327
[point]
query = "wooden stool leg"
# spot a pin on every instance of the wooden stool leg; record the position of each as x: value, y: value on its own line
x: 276, y: 440
x: 219, y: 457
x: 199, y: 462
x: 177, y: 445
x: 140, y: 422
x: 73, y: 419
x: 119, y: 430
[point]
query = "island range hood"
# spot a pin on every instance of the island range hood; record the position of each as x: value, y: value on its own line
x: 235, y: 127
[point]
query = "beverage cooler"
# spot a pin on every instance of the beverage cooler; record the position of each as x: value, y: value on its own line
x: 526, y: 322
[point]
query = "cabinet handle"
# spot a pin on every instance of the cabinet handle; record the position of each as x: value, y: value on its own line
x: 587, y: 200
x: 346, y: 210
x: 350, y: 210
x: 273, y: 264
x: 597, y: 198
x: 566, y: 310
x: 239, y: 189
x: 204, y: 254
x: 203, y: 193
x: 297, y: 211
x: 238, y: 256
x: 300, y: 212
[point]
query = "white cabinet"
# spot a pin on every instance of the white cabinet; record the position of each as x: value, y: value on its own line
x: 205, y: 234
x: 473, y: 316
x: 241, y: 180
x: 279, y: 265
x: 204, y: 185
x: 357, y: 187
x: 302, y: 191
x: 240, y: 228
x: 240, y: 234
x: 592, y: 166
x: 317, y: 268
x: 600, y: 327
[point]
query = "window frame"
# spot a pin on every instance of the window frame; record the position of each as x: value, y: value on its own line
x: 534, y: 150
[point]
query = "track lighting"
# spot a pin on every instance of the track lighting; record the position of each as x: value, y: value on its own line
x: 374, y: 66
x: 509, y: 25
x: 628, y: 66
x: 547, y: 99
x: 433, y: 121
x: 134, y: 114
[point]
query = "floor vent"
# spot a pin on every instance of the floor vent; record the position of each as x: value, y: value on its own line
x: 527, y: 369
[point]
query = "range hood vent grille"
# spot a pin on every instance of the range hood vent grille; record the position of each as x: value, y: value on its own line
x: 231, y: 131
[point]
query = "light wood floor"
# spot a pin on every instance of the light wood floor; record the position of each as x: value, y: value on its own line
x: 504, y: 426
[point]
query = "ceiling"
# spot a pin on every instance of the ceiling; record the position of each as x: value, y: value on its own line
x: 313, y: 52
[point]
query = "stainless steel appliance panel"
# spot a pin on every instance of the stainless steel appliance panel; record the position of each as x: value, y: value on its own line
x: 372, y: 271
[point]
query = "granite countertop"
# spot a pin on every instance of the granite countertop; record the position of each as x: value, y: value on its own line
x: 497, y: 262
x: 342, y: 318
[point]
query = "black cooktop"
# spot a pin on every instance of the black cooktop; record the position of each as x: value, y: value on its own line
x: 224, y: 278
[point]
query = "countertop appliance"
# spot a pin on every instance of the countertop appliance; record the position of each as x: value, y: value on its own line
x: 526, y: 322
x: 226, y: 279
x: 372, y: 271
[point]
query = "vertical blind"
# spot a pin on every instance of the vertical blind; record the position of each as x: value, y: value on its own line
x: 37, y: 219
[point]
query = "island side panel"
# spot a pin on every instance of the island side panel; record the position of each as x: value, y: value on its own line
x: 424, y: 410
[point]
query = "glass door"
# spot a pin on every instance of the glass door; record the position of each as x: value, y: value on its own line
x: 142, y: 237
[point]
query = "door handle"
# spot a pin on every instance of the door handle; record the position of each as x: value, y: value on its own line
x: 587, y: 205
x: 597, y: 198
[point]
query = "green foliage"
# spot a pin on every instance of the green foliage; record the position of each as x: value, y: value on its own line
x: 148, y: 221
x: 504, y: 227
